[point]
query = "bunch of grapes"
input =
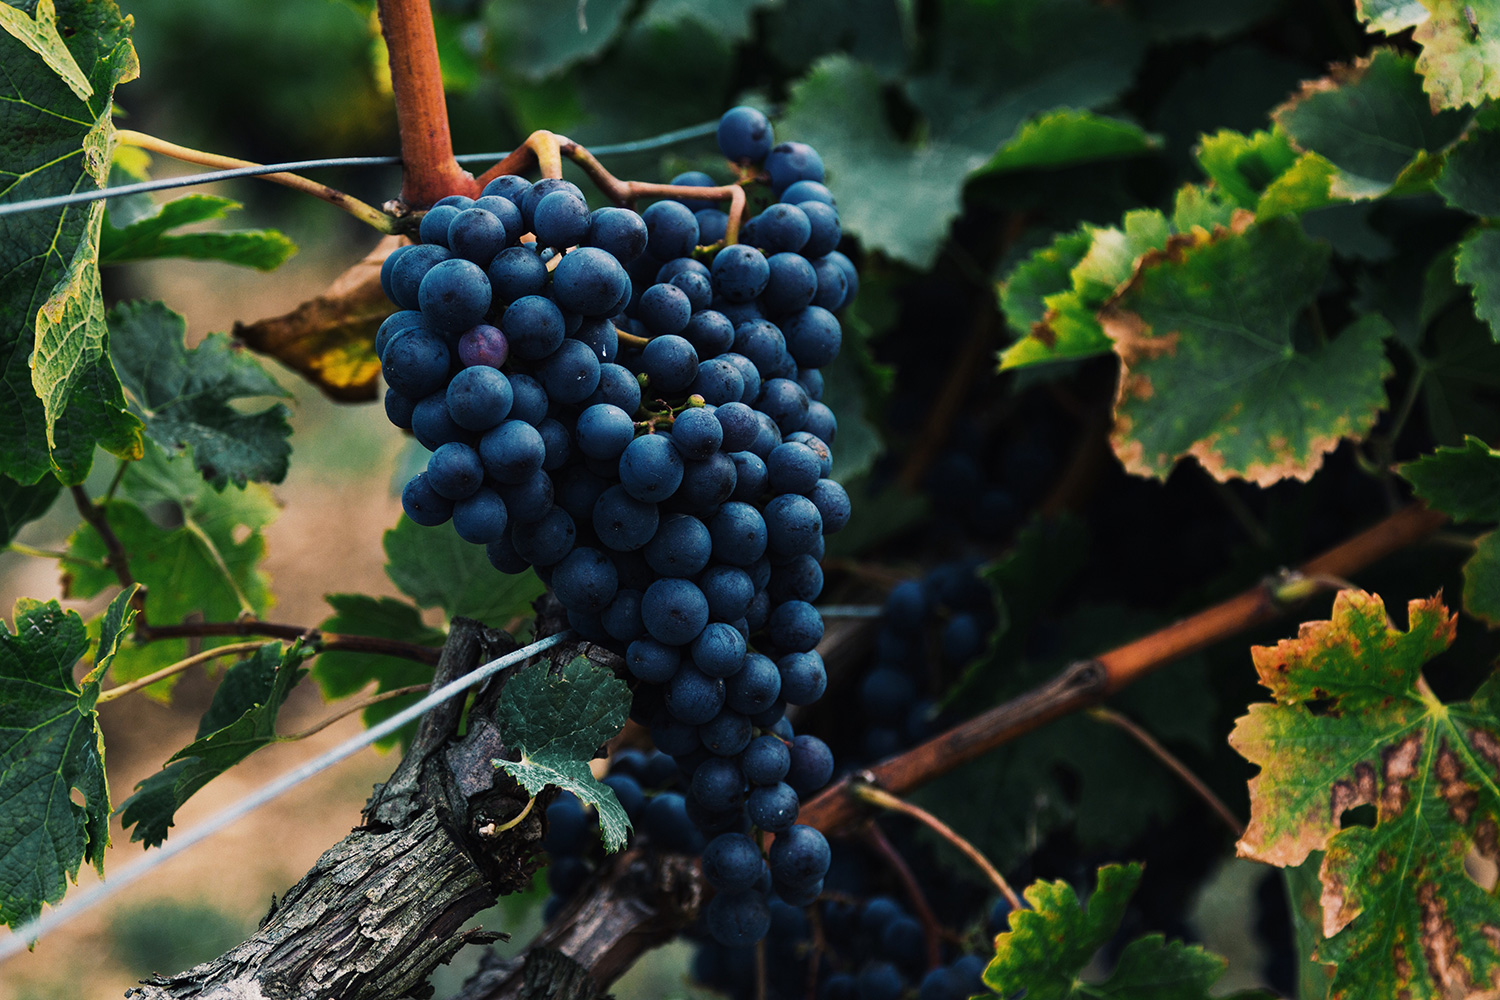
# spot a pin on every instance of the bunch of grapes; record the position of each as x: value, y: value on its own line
x: 631, y: 405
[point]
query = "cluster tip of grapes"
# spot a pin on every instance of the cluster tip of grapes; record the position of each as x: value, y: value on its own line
x: 670, y: 486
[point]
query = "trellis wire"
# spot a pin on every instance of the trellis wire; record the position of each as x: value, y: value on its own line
x: 851, y: 610
x: 27, y: 934
x: 142, y: 187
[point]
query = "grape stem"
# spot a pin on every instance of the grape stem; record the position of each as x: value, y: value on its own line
x: 1174, y: 764
x: 171, y: 670
x: 546, y: 150
x: 368, y: 214
x: 931, y: 933
x: 866, y: 790
x: 428, y: 169
x: 350, y: 709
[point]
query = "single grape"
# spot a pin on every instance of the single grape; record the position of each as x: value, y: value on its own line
x: 744, y: 134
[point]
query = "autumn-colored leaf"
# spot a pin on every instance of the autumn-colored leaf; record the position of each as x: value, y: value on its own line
x: 1354, y: 725
x: 331, y: 339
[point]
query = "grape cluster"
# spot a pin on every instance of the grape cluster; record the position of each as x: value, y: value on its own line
x: 874, y: 949
x: 631, y: 405
x: 945, y: 617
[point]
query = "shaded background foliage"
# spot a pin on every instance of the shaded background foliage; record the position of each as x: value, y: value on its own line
x: 927, y: 113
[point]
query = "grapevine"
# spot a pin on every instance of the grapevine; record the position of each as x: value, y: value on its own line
x: 849, y: 475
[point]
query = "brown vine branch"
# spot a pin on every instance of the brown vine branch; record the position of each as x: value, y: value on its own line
x: 931, y: 933
x: 367, y: 214
x: 233, y: 649
x: 876, y: 796
x: 325, y: 641
x: 1089, y: 681
x: 428, y: 169
x: 1173, y: 764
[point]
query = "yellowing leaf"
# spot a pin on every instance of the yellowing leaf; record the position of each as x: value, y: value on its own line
x: 1355, y: 725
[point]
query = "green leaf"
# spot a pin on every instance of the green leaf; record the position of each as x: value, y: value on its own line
x: 59, y: 398
x: 1174, y: 19
x: 1048, y: 271
x: 539, y: 40
x: 1069, y: 327
x: 1371, y: 121
x: 1244, y: 165
x: 436, y: 568
x: 1478, y: 266
x: 150, y: 237
x: 184, y: 396
x: 1468, y: 180
x: 41, y: 36
x: 845, y: 389
x: 1068, y: 136
x: 558, y: 722
x: 50, y: 747
x: 995, y: 65
x: 1209, y: 367
x: 1482, y: 580
x: 1458, y: 64
x: 20, y: 504
x: 240, y: 720
x: 1462, y: 482
x: 1049, y: 945
x: 341, y: 674
x: 729, y: 19
x: 204, y: 560
x: 1353, y: 724
x: 839, y: 108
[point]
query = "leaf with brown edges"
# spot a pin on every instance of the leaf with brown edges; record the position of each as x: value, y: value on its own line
x: 330, y: 340
x: 1213, y: 363
x: 1354, y: 726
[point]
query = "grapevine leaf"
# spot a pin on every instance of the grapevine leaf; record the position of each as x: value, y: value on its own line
x: 152, y: 236
x: 330, y: 340
x: 539, y: 40
x: 20, y: 504
x: 1209, y: 368
x: 1459, y: 65
x: 240, y: 720
x: 1305, y: 185
x: 1463, y: 372
x: 436, y: 568
x: 50, y: 747
x: 1482, y: 580
x: 204, y: 561
x: 1048, y: 271
x: 557, y: 722
x: 1478, y: 266
x: 1050, y: 943
x: 996, y: 65
x: 878, y: 33
x: 41, y: 36
x: 1176, y: 19
x: 1390, y: 16
x: 1463, y: 482
x: 1243, y: 166
x: 1468, y: 180
x: 183, y: 396
x: 58, y: 395
x: 1371, y: 121
x: 341, y: 674
x: 1068, y: 136
x: 1068, y: 328
x: 729, y: 19
x: 838, y: 107
x: 1354, y: 724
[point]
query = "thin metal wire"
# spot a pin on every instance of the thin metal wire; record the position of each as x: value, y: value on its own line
x: 851, y: 610
x: 27, y: 934
x: 210, y: 177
